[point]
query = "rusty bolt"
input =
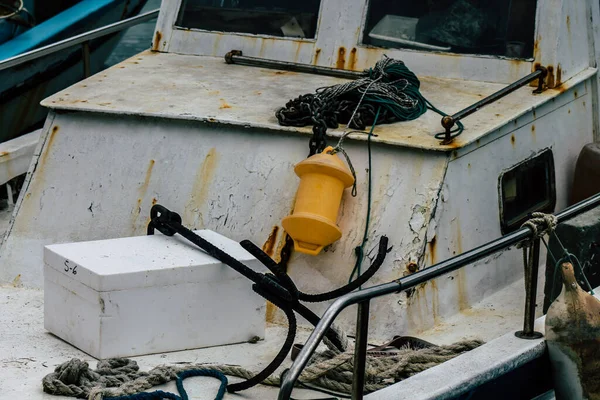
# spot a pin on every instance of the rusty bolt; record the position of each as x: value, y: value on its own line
x: 412, y: 267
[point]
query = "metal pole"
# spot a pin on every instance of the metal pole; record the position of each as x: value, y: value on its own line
x: 531, y: 279
x: 236, y: 57
x: 85, y: 49
x: 360, y: 350
x: 410, y: 281
x: 449, y: 121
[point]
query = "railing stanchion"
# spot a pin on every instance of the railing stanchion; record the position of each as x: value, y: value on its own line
x: 360, y: 350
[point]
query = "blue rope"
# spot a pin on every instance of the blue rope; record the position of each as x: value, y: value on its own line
x: 160, y: 395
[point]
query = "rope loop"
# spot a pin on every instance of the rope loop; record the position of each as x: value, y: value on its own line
x: 540, y: 224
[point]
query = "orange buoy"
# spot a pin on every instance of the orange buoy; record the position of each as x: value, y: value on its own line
x: 312, y: 225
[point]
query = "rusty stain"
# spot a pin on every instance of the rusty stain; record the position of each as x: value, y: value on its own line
x: 459, y: 247
x: 4, y: 153
x: 201, y: 186
x: 213, y: 92
x: 341, y: 58
x: 258, y: 92
x: 435, y: 301
x: 412, y: 267
x: 141, y: 194
x: 316, y: 57
x: 461, y: 283
x: 269, y: 245
x: 575, y: 94
x: 550, y: 81
x: 432, y: 248
x: 352, y: 59
x: 533, y: 132
x: 49, y: 144
x: 569, y: 111
x: 156, y: 41
x: 297, y: 54
x: 223, y: 104
x: 513, y: 140
x: 569, y: 24
x: 558, y: 75
x: 154, y: 201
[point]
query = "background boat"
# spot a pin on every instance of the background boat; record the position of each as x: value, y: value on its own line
x: 23, y: 87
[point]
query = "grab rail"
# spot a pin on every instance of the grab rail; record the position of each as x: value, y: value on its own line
x: 363, y: 297
x: 83, y: 39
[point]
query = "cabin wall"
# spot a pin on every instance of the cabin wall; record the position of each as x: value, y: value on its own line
x: 97, y: 176
x: 468, y: 213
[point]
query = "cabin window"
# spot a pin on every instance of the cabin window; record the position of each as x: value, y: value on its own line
x: 486, y: 27
x: 297, y: 19
x: 526, y: 188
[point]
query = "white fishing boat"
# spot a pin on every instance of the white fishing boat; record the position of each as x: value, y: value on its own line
x: 195, y: 124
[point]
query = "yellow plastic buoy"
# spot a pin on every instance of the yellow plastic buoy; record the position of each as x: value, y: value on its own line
x: 312, y: 225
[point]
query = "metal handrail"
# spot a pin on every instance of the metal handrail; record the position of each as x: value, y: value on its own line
x: 82, y: 38
x: 363, y: 297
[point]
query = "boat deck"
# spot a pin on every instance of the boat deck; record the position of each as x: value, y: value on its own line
x: 174, y: 86
x: 28, y: 352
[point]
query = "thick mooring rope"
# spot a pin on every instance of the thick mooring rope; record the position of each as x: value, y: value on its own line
x: 330, y: 370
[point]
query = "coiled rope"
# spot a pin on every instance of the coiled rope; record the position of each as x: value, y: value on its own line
x: 331, y: 369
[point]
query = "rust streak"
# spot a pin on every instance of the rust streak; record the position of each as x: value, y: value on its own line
x: 316, y: 56
x: 513, y: 140
x: 463, y: 302
x: 269, y: 245
x: 156, y: 41
x: 341, y: 58
x: 352, y: 59
x: 48, y: 145
x: 432, y: 249
x: 200, y: 188
x: 558, y: 75
x: 533, y: 132
x: 141, y: 194
x: 223, y: 104
x: 550, y: 80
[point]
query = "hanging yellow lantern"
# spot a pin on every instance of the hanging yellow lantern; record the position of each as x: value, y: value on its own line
x: 312, y: 225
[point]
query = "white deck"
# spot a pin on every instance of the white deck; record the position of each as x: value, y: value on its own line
x: 206, y: 89
x: 28, y: 352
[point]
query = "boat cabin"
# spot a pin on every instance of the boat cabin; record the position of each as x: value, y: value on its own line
x: 179, y: 126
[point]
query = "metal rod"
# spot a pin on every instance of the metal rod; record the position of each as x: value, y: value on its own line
x: 449, y: 121
x: 410, y: 281
x: 77, y: 39
x: 531, y: 294
x: 360, y: 350
x: 236, y: 57
x: 85, y: 49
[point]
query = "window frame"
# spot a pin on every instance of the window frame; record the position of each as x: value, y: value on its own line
x: 508, y: 226
x: 338, y: 44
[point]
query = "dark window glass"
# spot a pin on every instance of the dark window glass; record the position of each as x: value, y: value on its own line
x: 487, y: 27
x: 260, y: 17
x: 527, y: 188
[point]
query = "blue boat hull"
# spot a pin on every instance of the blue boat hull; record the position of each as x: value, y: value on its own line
x: 22, y: 88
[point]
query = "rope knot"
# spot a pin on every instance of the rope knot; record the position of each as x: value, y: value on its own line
x: 540, y: 225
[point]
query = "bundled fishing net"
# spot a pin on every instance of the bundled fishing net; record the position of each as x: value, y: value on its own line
x: 389, y: 87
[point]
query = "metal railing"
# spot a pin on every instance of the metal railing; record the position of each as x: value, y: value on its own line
x: 81, y: 39
x: 363, y: 297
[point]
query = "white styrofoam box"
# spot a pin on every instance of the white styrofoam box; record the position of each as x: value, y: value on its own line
x: 149, y: 294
